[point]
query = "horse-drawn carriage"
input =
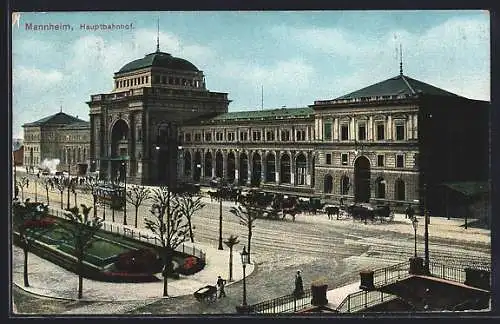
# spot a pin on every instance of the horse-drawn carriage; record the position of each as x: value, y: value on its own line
x: 207, y: 294
x: 366, y: 211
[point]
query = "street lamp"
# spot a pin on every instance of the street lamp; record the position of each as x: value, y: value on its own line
x: 220, y: 217
x: 124, y: 164
x: 69, y: 183
x: 414, y: 223
x: 245, y: 259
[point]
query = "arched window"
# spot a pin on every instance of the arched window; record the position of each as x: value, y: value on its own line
x: 344, y: 185
x: 270, y: 168
x: 285, y: 169
x: 380, y: 188
x: 300, y: 169
x: 328, y: 184
x: 399, y: 189
x: 187, y: 164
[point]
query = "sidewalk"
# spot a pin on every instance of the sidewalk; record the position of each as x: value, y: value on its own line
x: 50, y: 280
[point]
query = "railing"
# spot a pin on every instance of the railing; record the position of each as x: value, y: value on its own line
x: 362, y: 300
x: 447, y: 272
x: 284, y: 304
x: 391, y: 274
x: 137, y: 235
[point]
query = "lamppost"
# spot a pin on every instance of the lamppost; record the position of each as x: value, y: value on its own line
x: 124, y: 165
x: 414, y: 223
x: 220, y: 217
x: 245, y: 259
x: 69, y: 183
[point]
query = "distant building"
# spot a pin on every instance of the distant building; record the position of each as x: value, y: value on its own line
x: 59, y: 136
x: 394, y: 141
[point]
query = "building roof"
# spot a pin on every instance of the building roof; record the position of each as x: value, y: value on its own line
x: 280, y: 113
x: 56, y: 119
x: 159, y: 59
x: 77, y: 125
x: 397, y: 86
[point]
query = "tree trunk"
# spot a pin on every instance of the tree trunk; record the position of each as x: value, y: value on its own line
x: 62, y: 203
x: 80, y: 278
x: 25, y: 271
x: 136, y: 214
x: 230, y: 263
x: 47, y: 190
x: 75, y: 200
x: 95, y: 206
x: 190, y: 230
x: 166, y: 270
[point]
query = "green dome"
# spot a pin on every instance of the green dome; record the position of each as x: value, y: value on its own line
x: 159, y: 59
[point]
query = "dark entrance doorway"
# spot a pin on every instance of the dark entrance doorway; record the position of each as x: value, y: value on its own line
x: 362, y: 179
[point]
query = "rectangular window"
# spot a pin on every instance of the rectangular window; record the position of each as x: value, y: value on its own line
x: 380, y: 160
x: 230, y: 136
x: 256, y: 135
x: 197, y: 137
x: 285, y: 135
x: 188, y: 137
x: 328, y: 158
x: 344, y: 132
x: 328, y: 131
x: 219, y: 136
x: 208, y: 137
x: 243, y: 136
x: 344, y: 159
x: 400, y: 131
x: 399, y: 161
x: 380, y: 132
x: 270, y: 136
x: 362, y: 132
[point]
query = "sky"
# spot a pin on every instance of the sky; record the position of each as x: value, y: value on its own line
x: 280, y: 58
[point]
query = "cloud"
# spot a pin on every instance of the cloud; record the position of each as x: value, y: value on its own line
x: 451, y: 55
x: 36, y: 78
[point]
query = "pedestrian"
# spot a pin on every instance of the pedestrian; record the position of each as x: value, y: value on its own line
x: 299, y: 286
x: 341, y: 201
x: 221, y: 283
x: 409, y: 212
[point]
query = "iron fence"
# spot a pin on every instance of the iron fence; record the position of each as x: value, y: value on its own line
x: 362, y: 300
x: 391, y: 274
x: 284, y: 304
x: 447, y: 272
x: 137, y: 235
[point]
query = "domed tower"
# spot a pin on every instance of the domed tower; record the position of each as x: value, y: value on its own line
x: 134, y: 127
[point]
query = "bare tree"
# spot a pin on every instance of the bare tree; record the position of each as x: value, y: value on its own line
x: 231, y: 242
x: 61, y: 187
x: 136, y: 196
x: 23, y: 183
x: 169, y: 226
x: 91, y: 186
x: 188, y: 205
x: 27, y: 217
x: 248, y: 212
x: 47, y: 183
x: 80, y: 232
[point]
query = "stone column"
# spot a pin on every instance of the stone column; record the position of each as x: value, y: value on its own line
x: 263, y: 166
x: 277, y: 166
x: 415, y: 126
x: 224, y: 164
x: 352, y: 130
x: 389, y: 127
x: 214, y: 159
x: 308, y: 168
x: 237, y: 166
x: 202, y: 163
x: 369, y: 129
x: 336, y: 129
x: 409, y: 126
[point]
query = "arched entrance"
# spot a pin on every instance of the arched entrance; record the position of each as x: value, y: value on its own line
x: 344, y: 185
x: 256, y: 169
x: 328, y: 184
x: 208, y: 165
x: 231, y: 164
x: 362, y: 179
x: 270, y: 168
x: 219, y: 160
x: 187, y: 164
x: 243, y: 172
x: 285, y: 172
x: 119, y: 149
x: 197, y: 166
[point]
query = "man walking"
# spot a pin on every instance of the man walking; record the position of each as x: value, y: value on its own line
x: 299, y: 286
x: 409, y: 212
x: 221, y: 283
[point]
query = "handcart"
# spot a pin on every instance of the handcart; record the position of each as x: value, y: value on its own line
x: 206, y: 294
